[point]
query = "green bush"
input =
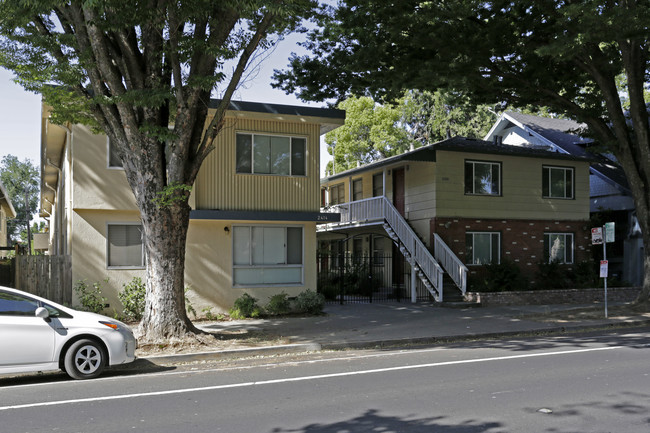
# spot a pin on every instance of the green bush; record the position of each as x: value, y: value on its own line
x: 245, y: 307
x: 91, y: 298
x: 552, y: 275
x: 132, y: 298
x: 279, y: 304
x: 585, y: 275
x: 310, y: 302
x: 504, y: 277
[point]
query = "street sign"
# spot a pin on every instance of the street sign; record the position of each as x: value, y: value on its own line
x: 609, y: 232
x: 597, y: 236
x: 603, y: 268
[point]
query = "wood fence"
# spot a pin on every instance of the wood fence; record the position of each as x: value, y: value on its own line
x: 46, y: 276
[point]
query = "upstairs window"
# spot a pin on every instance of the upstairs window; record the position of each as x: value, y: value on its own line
x: 271, y: 154
x: 337, y: 194
x: 357, y: 189
x: 557, y: 182
x: 482, y: 178
x: 113, y: 158
x: 378, y: 185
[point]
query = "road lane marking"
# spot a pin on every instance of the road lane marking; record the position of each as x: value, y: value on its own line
x: 302, y: 378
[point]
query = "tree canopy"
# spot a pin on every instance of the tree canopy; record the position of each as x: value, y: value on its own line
x: 375, y: 130
x: 21, y: 180
x: 568, y: 56
x: 143, y: 72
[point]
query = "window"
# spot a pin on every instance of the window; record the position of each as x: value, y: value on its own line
x: 482, y: 178
x: 557, y: 182
x: 378, y: 185
x: 270, y: 154
x: 558, y: 247
x: 337, y: 194
x: 267, y: 255
x: 15, y: 305
x: 482, y: 248
x: 357, y: 189
x: 125, y: 246
x: 113, y: 158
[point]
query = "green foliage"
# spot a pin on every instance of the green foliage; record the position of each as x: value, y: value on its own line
x: 132, y: 298
x: 91, y: 298
x: 245, y: 307
x: 503, y: 277
x: 279, y: 304
x: 552, y: 275
x: 585, y: 274
x: 188, y: 306
x: 209, y: 315
x: 21, y: 181
x: 171, y: 194
x: 310, y: 302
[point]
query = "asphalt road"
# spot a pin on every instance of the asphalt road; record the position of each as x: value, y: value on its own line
x: 588, y: 383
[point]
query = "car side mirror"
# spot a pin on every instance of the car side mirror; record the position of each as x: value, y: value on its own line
x: 42, y: 313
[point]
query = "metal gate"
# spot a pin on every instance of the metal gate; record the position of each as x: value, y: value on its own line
x: 347, y: 278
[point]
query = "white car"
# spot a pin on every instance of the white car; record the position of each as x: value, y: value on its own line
x: 40, y: 335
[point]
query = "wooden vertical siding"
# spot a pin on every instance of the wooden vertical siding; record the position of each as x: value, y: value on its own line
x: 218, y: 186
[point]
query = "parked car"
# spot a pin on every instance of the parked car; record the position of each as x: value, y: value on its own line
x: 40, y: 335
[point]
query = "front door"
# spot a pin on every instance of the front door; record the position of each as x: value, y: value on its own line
x: 398, y: 190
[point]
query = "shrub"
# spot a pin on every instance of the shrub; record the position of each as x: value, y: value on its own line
x: 245, y: 306
x: 279, y: 304
x: 91, y: 298
x: 551, y: 275
x: 585, y: 274
x: 310, y: 302
x: 132, y: 298
x: 504, y: 277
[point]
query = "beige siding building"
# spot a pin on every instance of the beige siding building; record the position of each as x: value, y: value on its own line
x: 7, y: 211
x: 255, y: 207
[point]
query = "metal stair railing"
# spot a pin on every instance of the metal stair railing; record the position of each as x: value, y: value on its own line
x: 379, y: 208
x: 450, y: 262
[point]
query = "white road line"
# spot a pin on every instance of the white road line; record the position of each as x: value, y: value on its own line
x: 301, y: 379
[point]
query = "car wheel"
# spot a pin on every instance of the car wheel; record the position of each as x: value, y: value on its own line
x: 85, y: 359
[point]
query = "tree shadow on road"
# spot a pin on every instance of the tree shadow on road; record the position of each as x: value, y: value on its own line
x: 374, y: 421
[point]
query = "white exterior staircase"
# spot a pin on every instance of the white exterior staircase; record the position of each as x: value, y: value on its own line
x: 379, y: 210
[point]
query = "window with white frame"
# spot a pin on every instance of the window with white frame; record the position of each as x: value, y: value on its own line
x: 557, y: 182
x: 482, y: 178
x: 558, y: 247
x: 125, y: 247
x: 482, y: 248
x: 271, y: 154
x: 112, y: 156
x: 267, y: 255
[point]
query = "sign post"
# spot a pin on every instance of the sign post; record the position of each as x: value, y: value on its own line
x: 603, y: 235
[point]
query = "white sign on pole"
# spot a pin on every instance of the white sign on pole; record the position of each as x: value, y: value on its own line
x: 603, y: 268
x: 609, y: 232
x: 597, y: 236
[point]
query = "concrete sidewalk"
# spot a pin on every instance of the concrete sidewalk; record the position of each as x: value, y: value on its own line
x: 359, y: 326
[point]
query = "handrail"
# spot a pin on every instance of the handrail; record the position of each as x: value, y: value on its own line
x: 452, y: 264
x: 380, y: 208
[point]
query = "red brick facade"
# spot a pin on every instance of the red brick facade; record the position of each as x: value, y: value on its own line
x: 522, y: 241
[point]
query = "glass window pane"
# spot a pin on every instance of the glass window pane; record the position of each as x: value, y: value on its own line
x: 15, y: 305
x: 113, y: 157
x: 294, y: 245
x: 545, y: 181
x: 469, y: 178
x: 244, y: 153
x: 248, y: 276
x: 357, y: 189
x: 241, y: 245
x: 496, y: 247
x: 125, y: 245
x: 378, y: 185
x: 279, y: 158
x: 557, y: 248
x: 282, y: 275
x: 298, y: 147
x: 262, y: 154
x: 482, y: 249
x: 496, y: 179
x: 557, y: 183
x: 569, y: 184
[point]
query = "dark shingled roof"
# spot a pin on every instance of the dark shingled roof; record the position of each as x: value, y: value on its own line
x: 461, y: 144
x: 289, y: 110
x: 565, y: 134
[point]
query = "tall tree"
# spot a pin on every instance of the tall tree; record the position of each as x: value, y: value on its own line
x: 21, y: 180
x: 561, y: 54
x: 143, y: 71
x: 375, y: 130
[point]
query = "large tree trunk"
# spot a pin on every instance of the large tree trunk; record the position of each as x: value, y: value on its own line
x: 165, y: 236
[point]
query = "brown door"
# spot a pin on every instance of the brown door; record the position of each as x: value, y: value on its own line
x: 398, y: 190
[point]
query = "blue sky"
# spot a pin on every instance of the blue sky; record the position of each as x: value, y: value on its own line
x: 20, y: 110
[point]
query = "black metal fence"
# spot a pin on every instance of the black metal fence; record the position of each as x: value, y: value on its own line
x: 345, y: 278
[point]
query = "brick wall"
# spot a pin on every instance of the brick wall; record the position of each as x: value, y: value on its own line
x: 522, y: 241
x: 548, y: 297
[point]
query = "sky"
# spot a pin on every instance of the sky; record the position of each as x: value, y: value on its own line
x: 20, y: 110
